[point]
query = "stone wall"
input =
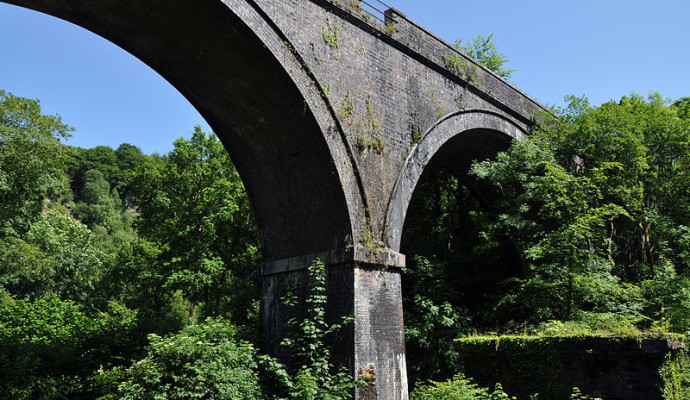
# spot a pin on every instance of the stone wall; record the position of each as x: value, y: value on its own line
x: 613, y: 368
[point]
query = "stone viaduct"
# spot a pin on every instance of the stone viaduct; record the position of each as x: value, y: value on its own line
x: 330, y: 116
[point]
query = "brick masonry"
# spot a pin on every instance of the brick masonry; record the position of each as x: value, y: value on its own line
x: 379, y: 338
x: 388, y: 85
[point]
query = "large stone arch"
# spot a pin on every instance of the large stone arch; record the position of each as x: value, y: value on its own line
x: 455, y: 141
x: 241, y: 74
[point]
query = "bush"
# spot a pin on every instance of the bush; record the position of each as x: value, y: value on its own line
x: 201, y: 361
x: 675, y: 374
x: 458, y: 388
x: 49, y: 347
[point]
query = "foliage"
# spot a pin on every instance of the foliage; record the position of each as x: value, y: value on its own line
x: 589, y: 324
x: 429, y: 334
x: 448, y: 273
x: 330, y: 34
x: 49, y: 347
x: 485, y: 52
x: 457, y: 388
x: 675, y: 374
x: 31, y: 161
x: 201, y: 361
x: 583, y: 229
x: 578, y: 395
x: 128, y: 157
x: 57, y: 256
x: 580, y: 229
x: 101, y: 209
x: 25, y: 271
x: 116, y: 166
x: 594, y: 200
x: 123, y: 286
x: 194, y: 206
x: 138, y: 277
x: 682, y: 107
x: 79, y: 289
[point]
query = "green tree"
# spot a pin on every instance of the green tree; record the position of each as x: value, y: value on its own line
x: 138, y: 276
x: 99, y: 207
x: 129, y: 157
x: 195, y: 206
x: 682, y: 107
x: 101, y: 158
x: 31, y: 162
x: 25, y: 270
x: 485, y: 52
x: 597, y: 200
x: 57, y: 256
x: 70, y: 249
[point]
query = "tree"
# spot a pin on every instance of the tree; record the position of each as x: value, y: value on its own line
x: 31, y: 162
x: 484, y: 51
x: 598, y: 201
x: 195, y: 206
x: 70, y: 248
x: 138, y: 275
x: 25, y: 270
x: 682, y: 107
x: 129, y: 157
x: 99, y: 207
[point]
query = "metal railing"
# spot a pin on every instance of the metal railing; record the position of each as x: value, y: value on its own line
x: 375, y: 10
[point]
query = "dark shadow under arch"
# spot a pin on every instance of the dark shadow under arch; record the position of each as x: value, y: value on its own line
x: 454, y: 142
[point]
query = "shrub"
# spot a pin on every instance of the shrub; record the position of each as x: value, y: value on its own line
x: 458, y: 388
x: 204, y: 361
x: 675, y: 374
x: 49, y: 347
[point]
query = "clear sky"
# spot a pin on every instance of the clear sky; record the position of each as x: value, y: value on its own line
x: 604, y: 49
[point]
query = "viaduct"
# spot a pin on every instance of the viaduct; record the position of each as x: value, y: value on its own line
x: 330, y: 114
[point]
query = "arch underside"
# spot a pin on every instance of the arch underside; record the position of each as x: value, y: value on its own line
x: 454, y: 143
x: 225, y: 59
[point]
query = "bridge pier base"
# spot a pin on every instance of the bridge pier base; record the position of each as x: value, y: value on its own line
x: 357, y: 284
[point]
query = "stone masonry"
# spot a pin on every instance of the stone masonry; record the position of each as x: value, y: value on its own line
x: 330, y: 117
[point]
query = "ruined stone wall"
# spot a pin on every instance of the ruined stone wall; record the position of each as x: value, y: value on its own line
x: 613, y: 368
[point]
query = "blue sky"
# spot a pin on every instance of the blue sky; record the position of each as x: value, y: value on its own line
x: 603, y: 49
